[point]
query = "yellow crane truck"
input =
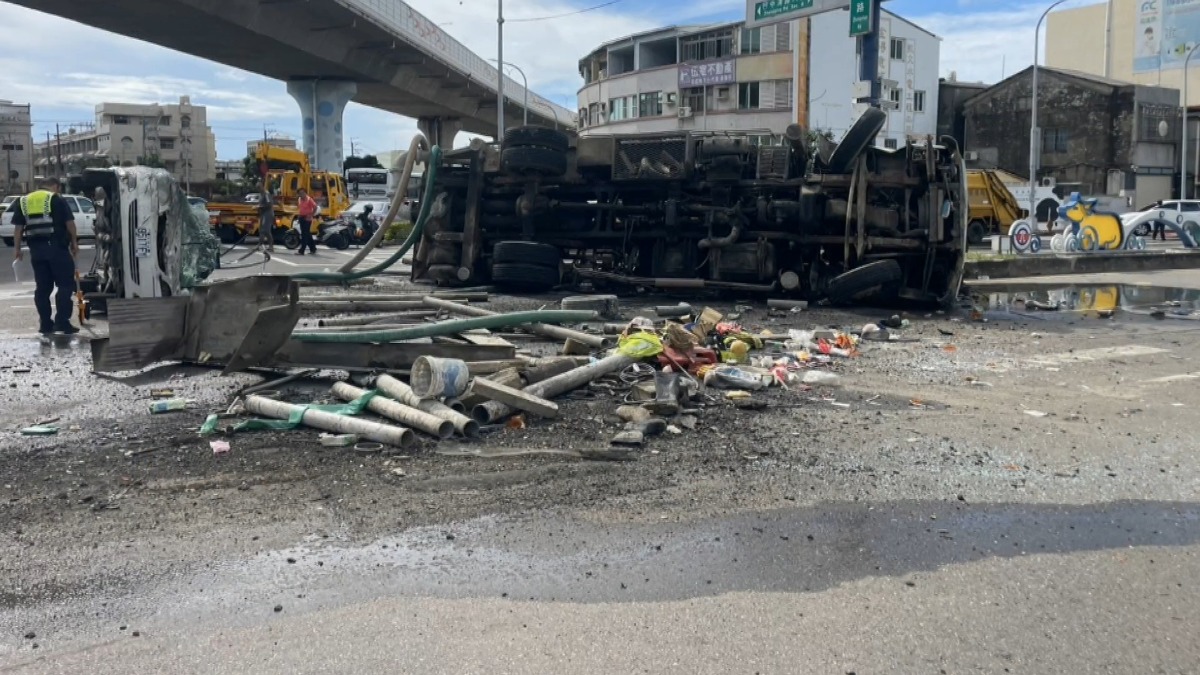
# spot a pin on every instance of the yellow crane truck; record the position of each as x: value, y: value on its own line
x: 285, y: 171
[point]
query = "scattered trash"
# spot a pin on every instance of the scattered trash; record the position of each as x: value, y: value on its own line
x: 439, y: 378
x: 516, y: 422
x: 162, y: 393
x: 169, y: 405
x: 39, y: 431
x: 220, y: 447
x: 820, y: 378
x: 368, y: 448
x: 1036, y: 413
x: 398, y: 471
x: 338, y: 440
x: 734, y: 377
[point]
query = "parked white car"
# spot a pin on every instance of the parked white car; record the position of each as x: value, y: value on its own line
x: 82, y: 207
x: 1182, y: 206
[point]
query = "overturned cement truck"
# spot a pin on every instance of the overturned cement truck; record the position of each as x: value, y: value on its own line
x: 685, y: 210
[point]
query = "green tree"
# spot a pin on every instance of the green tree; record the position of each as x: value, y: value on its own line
x: 364, y: 162
x: 153, y: 161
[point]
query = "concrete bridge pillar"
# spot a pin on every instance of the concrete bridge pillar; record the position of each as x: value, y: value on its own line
x: 440, y: 130
x: 322, y: 103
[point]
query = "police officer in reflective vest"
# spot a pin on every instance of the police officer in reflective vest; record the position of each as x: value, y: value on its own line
x: 44, y: 222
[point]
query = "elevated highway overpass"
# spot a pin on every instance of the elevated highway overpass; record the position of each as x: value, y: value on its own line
x: 380, y: 53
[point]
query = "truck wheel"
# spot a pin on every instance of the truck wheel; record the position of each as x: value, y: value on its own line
x: 863, y: 280
x: 976, y: 232
x: 536, y: 137
x: 291, y: 240
x: 525, y: 277
x: 537, y: 161
x: 857, y: 140
x: 527, y: 253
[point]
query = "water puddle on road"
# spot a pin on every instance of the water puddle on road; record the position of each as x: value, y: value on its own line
x: 1101, y: 301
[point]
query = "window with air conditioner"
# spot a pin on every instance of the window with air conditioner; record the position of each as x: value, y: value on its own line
x: 650, y: 104
x: 694, y: 98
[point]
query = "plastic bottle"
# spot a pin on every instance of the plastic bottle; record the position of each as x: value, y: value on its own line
x: 169, y: 405
x: 733, y: 377
x: 820, y: 377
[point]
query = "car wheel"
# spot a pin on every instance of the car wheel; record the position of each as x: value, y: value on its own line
x: 862, y: 281
x: 8, y: 241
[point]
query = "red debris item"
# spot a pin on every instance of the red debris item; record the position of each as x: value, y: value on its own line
x: 691, y: 360
x: 780, y: 373
x: 726, y: 328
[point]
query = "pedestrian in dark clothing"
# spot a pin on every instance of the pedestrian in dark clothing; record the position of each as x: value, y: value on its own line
x: 266, y: 220
x: 1160, y: 230
x: 43, y: 220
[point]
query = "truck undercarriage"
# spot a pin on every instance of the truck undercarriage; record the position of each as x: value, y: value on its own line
x: 692, y: 210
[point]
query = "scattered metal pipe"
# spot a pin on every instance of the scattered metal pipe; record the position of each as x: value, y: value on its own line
x: 492, y: 411
x: 395, y: 410
x: 403, y: 393
x: 557, y: 332
x: 450, y: 327
x: 327, y: 421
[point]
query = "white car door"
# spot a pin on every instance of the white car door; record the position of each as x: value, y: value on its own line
x: 85, y: 216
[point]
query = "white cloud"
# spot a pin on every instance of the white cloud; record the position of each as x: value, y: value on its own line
x: 100, y: 66
x: 989, y: 44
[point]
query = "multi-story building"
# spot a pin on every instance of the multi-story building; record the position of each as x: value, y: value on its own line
x: 909, y: 58
x: 16, y: 147
x: 1099, y: 136
x: 232, y: 170
x: 1138, y: 42
x: 724, y: 77
x: 175, y: 136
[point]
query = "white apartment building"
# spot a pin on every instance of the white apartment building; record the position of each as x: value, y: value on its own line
x: 177, y: 135
x: 909, y: 62
x: 719, y: 77
x: 725, y: 77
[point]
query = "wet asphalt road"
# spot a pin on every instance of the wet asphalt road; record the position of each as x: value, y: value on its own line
x: 941, y: 584
x: 897, y: 587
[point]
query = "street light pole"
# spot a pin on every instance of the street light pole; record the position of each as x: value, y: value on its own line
x: 1034, y: 133
x: 1183, y: 153
x: 525, y: 83
x: 499, y: 69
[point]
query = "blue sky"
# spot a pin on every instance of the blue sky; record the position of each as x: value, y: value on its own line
x: 982, y: 40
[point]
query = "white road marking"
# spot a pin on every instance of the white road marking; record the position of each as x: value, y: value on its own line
x: 1173, y: 378
x: 1099, y: 354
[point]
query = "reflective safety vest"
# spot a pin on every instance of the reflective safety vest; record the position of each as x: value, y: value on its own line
x: 39, y: 222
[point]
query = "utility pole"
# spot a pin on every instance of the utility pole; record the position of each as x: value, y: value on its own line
x: 499, y: 69
x: 58, y: 145
x: 353, y: 151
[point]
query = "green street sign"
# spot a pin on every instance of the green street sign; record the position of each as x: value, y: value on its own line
x: 860, y: 17
x: 765, y: 9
